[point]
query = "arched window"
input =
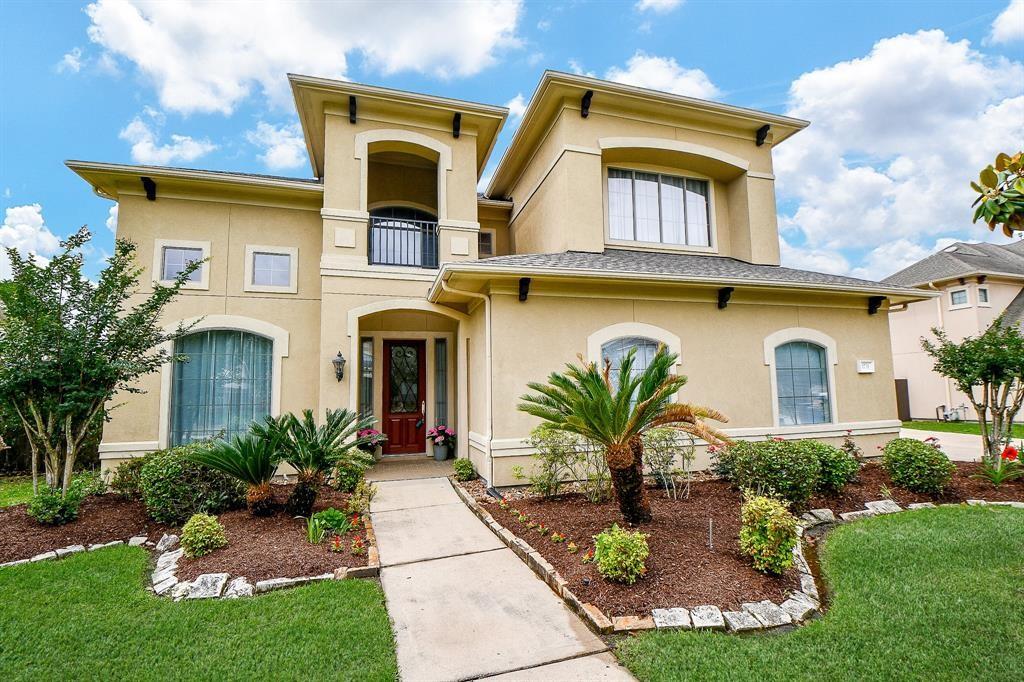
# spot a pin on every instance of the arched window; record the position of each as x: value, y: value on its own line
x: 802, y: 383
x: 615, y: 349
x: 223, y: 387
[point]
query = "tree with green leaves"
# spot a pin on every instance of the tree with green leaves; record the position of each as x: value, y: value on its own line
x: 68, y: 344
x: 989, y: 370
x: 1000, y: 189
x: 587, y: 401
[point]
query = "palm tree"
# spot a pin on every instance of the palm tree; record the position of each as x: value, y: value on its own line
x: 585, y: 401
x: 313, y: 449
x: 249, y: 458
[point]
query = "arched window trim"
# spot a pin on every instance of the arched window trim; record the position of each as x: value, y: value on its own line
x: 784, y: 336
x: 623, y: 329
x: 363, y: 141
x: 277, y: 335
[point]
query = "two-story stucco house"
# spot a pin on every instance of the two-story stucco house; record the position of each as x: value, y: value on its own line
x: 618, y: 217
x: 976, y: 283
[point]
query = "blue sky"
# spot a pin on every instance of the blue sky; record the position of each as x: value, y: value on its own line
x: 907, y: 99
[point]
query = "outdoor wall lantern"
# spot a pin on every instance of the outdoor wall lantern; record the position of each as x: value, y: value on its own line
x: 339, y: 366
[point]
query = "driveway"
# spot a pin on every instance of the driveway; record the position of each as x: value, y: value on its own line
x: 463, y: 606
x: 959, y: 447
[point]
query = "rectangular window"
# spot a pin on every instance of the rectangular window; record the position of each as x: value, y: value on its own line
x: 485, y: 244
x: 366, y: 376
x: 658, y: 209
x: 176, y: 259
x: 441, y: 381
x: 982, y: 296
x: 271, y: 269
x: 958, y: 297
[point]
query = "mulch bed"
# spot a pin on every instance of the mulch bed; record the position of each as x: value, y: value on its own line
x: 261, y: 548
x: 100, y: 519
x: 683, y: 570
x: 258, y: 548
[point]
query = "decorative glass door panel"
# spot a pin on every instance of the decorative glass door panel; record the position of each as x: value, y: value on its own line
x: 404, y: 397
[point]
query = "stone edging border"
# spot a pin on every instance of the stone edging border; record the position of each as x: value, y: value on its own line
x: 215, y: 585
x: 799, y: 607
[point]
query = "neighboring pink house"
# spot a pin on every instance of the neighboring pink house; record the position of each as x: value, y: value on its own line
x: 978, y: 282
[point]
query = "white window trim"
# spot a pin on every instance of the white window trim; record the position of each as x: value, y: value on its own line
x: 293, y: 270
x: 660, y: 246
x: 988, y: 294
x: 616, y: 331
x: 494, y: 243
x: 277, y: 335
x: 784, y: 336
x: 959, y: 306
x: 158, y: 261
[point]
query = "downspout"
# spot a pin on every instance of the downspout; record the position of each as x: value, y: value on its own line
x: 942, y: 325
x: 487, y: 363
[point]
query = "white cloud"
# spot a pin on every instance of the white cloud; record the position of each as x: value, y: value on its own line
x: 208, y: 56
x: 112, y: 218
x: 577, y: 68
x: 657, y: 6
x: 147, y: 149
x: 25, y: 230
x: 1008, y: 27
x: 895, y: 137
x: 283, y: 146
x: 71, y: 62
x: 543, y: 25
x: 516, y: 107
x: 665, y: 74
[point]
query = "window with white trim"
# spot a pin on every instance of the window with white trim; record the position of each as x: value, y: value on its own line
x: 616, y: 349
x: 175, y: 259
x: 271, y: 269
x: 658, y: 208
x: 801, y: 380
x: 983, y: 296
x: 958, y: 297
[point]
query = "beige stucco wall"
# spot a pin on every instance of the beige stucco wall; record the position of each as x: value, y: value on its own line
x: 560, y: 195
x: 928, y: 389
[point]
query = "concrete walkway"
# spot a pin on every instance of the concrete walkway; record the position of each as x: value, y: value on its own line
x: 959, y: 447
x: 463, y: 606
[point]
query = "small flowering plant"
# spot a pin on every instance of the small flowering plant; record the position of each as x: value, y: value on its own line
x: 337, y: 544
x: 442, y: 435
x: 503, y: 504
x: 371, y: 439
x: 572, y: 548
x: 523, y: 518
x: 542, y: 529
x: 531, y: 524
x: 557, y: 537
x: 999, y: 470
x: 358, y: 545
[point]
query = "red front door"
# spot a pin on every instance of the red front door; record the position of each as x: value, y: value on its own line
x: 405, y: 394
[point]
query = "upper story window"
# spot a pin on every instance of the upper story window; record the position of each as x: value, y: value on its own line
x: 271, y: 269
x: 176, y: 259
x: 485, y: 244
x: 958, y: 298
x: 983, y: 296
x: 658, y: 208
x: 403, y: 236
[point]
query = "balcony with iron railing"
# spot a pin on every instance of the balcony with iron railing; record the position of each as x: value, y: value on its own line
x: 402, y: 242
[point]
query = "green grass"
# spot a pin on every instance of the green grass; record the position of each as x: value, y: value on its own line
x: 88, y: 617
x: 926, y: 595
x: 15, y: 490
x: 956, y: 427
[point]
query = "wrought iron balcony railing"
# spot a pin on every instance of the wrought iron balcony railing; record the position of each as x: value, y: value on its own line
x: 398, y: 241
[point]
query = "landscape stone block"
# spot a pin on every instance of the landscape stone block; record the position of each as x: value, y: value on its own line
x: 167, y: 542
x: 741, y: 621
x: 768, y: 613
x: 239, y: 587
x: 671, y: 618
x: 208, y: 586
x: 707, y: 618
x: 883, y: 507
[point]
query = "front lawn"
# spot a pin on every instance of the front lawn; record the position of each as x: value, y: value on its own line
x: 932, y: 594
x: 15, y: 490
x: 971, y: 428
x: 88, y: 617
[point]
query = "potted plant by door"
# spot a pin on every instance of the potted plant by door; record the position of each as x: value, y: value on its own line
x: 443, y: 440
x: 374, y: 440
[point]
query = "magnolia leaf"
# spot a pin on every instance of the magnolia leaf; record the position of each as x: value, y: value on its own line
x: 1002, y: 161
x: 988, y: 177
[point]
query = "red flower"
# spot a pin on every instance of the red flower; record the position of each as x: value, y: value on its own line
x: 1010, y: 454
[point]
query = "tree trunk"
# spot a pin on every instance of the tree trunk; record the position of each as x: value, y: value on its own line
x: 625, y: 464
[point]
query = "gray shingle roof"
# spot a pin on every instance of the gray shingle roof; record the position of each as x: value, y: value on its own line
x: 678, y: 264
x: 962, y: 260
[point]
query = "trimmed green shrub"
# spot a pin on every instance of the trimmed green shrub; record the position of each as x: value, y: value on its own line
x: 463, y: 469
x: 776, y: 468
x: 174, y: 487
x: 768, y: 534
x: 126, y: 480
x: 50, y: 507
x: 347, y: 475
x: 202, y: 534
x: 362, y: 496
x: 917, y: 466
x: 621, y: 555
x: 836, y: 467
x: 334, y: 520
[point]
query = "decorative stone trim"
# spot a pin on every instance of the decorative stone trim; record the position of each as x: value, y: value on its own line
x: 214, y: 585
x: 799, y: 607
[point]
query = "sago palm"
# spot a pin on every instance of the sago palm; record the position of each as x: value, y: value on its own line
x: 249, y: 458
x: 586, y: 401
x: 313, y: 449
